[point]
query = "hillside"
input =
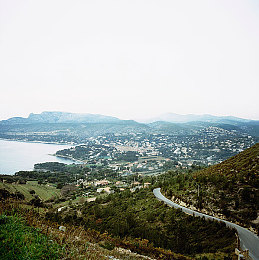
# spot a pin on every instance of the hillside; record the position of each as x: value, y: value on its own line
x: 228, y: 190
x: 126, y: 224
x: 237, y: 183
x: 243, y: 167
x: 138, y: 215
x: 44, y: 192
x: 25, y: 234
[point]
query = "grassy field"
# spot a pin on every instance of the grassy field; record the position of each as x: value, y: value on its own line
x: 45, y: 192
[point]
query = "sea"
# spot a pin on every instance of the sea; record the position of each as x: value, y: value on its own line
x: 21, y: 156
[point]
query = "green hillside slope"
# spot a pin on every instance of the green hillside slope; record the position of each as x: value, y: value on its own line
x: 228, y: 190
x: 243, y: 167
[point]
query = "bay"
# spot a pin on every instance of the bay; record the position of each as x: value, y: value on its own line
x: 17, y: 156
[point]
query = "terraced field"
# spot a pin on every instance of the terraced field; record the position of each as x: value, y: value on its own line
x: 45, y: 192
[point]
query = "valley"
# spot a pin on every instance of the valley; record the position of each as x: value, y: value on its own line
x: 108, y: 193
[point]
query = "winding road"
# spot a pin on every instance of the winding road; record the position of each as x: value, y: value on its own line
x: 248, y: 240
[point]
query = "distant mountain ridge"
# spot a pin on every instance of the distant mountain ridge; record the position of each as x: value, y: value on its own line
x: 67, y: 117
x: 96, y: 124
x: 62, y: 117
x: 177, y: 118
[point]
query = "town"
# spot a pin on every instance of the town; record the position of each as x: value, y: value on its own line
x: 153, y: 153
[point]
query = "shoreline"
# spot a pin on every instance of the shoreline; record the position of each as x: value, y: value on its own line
x: 39, y: 142
x: 70, y: 158
x: 54, y: 143
x: 46, y: 150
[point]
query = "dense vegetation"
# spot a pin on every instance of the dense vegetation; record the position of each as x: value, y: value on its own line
x: 49, y: 172
x: 82, y: 152
x: 63, y: 173
x: 140, y: 215
x: 27, y: 234
x: 53, y: 177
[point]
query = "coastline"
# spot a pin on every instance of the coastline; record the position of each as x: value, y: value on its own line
x: 54, y: 143
x: 41, y: 142
x: 70, y: 158
x: 20, y: 155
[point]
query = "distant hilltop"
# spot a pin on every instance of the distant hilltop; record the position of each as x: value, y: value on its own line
x: 177, y: 118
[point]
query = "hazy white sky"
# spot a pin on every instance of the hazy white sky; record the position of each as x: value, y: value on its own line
x: 130, y: 59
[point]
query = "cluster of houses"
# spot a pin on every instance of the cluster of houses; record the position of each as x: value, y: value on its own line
x: 106, y: 186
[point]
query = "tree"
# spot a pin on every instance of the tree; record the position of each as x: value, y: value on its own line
x: 18, y: 195
x: 36, y: 202
x: 59, y: 186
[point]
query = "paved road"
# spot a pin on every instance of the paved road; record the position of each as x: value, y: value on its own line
x: 248, y: 240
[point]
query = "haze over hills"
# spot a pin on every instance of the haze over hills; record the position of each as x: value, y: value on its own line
x: 62, y: 117
x: 177, y: 118
x: 95, y: 124
x: 67, y: 117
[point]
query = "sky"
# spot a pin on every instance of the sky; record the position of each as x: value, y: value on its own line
x: 131, y: 59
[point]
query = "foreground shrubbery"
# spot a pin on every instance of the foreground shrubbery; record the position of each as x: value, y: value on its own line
x: 129, y: 216
x: 74, y: 242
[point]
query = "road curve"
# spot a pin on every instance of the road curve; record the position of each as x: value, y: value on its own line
x: 248, y: 240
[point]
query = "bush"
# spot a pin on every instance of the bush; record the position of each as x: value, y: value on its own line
x: 107, y: 245
x: 36, y: 202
